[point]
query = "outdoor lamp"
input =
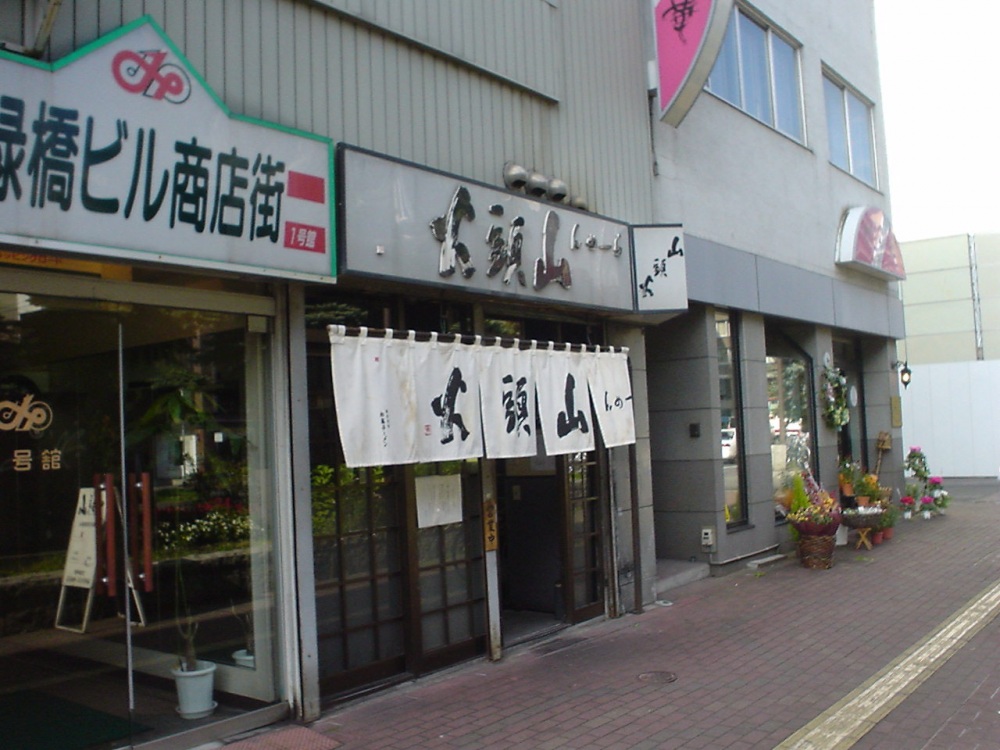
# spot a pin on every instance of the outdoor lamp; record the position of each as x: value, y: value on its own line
x: 905, y: 375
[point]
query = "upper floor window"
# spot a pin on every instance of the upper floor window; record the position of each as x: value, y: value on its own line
x: 849, y: 124
x: 757, y: 70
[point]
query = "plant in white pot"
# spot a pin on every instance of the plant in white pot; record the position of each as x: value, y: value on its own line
x: 244, y: 657
x: 194, y: 677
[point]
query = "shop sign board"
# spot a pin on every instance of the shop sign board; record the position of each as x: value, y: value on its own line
x: 689, y: 35
x: 868, y: 244
x: 405, y: 222
x: 660, y: 268
x: 122, y: 150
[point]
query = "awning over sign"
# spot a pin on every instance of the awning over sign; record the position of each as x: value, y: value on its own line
x: 402, y: 400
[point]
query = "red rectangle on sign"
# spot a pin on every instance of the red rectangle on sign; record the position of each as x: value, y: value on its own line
x: 306, y: 186
x: 305, y: 237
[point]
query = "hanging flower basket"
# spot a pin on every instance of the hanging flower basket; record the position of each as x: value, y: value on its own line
x: 835, y: 411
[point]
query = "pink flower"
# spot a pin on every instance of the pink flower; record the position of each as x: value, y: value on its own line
x: 927, y: 500
x: 935, y: 480
x: 915, y: 449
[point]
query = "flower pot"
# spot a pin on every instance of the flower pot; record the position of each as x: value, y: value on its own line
x: 862, y: 501
x: 816, y: 551
x: 887, y: 533
x: 907, y: 514
x: 243, y: 658
x: 194, y: 690
x: 927, y: 515
x: 878, y: 535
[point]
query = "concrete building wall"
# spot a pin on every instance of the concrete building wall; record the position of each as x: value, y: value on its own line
x: 937, y: 297
x: 741, y: 184
x: 987, y: 253
x: 762, y: 213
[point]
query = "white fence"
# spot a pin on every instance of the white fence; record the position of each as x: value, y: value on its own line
x: 952, y: 412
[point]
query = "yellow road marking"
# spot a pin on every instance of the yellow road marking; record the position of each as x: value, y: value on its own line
x: 848, y: 720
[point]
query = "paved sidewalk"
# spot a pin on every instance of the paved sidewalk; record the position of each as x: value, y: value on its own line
x: 756, y: 657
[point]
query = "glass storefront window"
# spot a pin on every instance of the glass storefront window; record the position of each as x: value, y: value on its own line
x: 731, y: 426
x: 850, y: 438
x: 138, y: 497
x: 790, y: 412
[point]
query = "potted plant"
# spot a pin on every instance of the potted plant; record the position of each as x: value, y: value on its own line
x: 927, y: 506
x: 783, y: 495
x: 907, y: 502
x: 847, y: 473
x: 890, y: 514
x: 815, y: 518
x: 863, y: 517
x: 936, y: 490
x: 244, y: 657
x: 867, y: 489
x: 194, y: 677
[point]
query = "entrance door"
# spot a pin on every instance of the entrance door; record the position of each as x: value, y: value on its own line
x: 552, y: 531
x: 133, y: 457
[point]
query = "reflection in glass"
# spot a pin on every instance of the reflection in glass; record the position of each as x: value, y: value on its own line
x: 730, y: 428
x: 790, y: 415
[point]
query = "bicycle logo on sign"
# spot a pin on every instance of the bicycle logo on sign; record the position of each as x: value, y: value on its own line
x: 146, y: 73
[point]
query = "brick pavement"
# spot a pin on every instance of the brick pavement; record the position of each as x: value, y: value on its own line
x: 756, y: 657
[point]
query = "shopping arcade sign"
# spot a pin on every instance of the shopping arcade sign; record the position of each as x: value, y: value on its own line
x: 122, y: 150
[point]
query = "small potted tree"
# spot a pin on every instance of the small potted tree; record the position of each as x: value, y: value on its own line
x: 194, y: 677
x: 244, y: 657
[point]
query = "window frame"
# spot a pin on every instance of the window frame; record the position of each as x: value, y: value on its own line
x: 778, y: 99
x: 847, y: 130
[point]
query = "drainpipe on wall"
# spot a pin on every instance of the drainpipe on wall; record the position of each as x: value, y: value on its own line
x: 977, y: 307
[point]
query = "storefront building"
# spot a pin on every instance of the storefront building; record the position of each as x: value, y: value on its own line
x: 779, y: 170
x: 148, y: 239
x: 474, y: 518
x: 240, y: 358
x: 185, y: 256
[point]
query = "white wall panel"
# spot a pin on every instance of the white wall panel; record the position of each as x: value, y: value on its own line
x: 951, y: 411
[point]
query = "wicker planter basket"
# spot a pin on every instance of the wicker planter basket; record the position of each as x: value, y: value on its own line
x: 817, y: 551
x: 865, y: 520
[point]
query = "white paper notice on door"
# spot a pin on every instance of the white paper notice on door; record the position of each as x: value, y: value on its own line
x: 439, y: 500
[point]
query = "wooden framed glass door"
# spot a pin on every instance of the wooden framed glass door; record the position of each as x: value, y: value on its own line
x: 358, y: 542
x: 585, y: 528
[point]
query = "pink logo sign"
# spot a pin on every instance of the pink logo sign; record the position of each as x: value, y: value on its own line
x: 146, y: 73
x: 688, y: 36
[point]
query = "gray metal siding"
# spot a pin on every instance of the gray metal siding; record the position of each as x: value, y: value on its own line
x: 457, y: 86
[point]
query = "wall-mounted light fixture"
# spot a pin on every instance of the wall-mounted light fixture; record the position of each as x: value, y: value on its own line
x: 515, y: 177
x: 538, y: 185
x: 905, y: 373
x: 557, y: 190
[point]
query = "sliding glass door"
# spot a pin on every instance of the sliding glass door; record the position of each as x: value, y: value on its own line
x: 136, y: 484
